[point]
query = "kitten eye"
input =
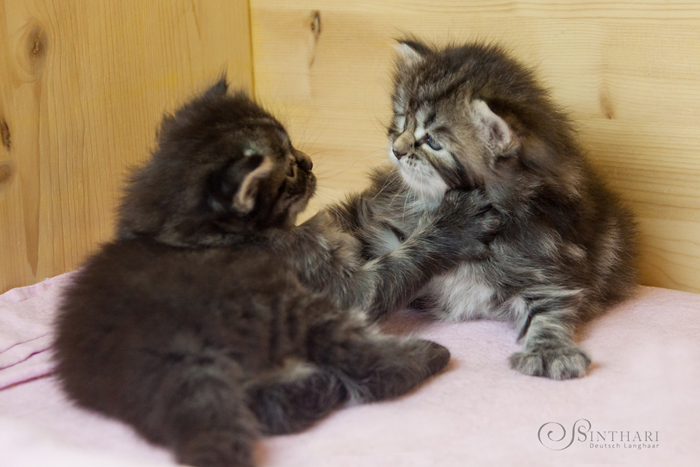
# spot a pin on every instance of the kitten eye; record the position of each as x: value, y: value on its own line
x: 434, y: 145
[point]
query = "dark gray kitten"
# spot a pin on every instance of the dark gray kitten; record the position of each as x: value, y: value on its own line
x: 193, y: 325
x: 469, y: 117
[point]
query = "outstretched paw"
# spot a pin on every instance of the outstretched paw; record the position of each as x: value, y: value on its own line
x: 294, y: 404
x: 437, y: 357
x: 466, y: 220
x: 402, y: 364
x: 563, y: 362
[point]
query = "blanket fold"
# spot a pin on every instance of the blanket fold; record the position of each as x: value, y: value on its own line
x: 26, y: 319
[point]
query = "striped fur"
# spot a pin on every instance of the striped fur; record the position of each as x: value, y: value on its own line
x: 470, y: 118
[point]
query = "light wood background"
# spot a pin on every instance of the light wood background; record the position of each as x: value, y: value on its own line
x: 83, y: 84
x: 628, y: 72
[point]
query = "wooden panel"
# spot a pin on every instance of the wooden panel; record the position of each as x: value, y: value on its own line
x: 629, y: 73
x: 82, y: 87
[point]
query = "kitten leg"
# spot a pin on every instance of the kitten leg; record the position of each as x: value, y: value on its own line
x: 200, y: 411
x: 373, y: 366
x: 295, y: 397
x: 460, y: 229
x: 547, y: 335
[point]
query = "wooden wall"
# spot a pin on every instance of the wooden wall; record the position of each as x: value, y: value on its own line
x: 83, y: 84
x: 629, y: 73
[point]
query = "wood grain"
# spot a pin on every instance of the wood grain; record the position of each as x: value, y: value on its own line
x: 83, y: 85
x: 628, y: 72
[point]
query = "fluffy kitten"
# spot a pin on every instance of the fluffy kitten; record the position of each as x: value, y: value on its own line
x: 471, y: 118
x: 193, y: 326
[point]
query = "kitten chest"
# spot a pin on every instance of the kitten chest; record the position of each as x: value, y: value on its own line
x: 461, y: 294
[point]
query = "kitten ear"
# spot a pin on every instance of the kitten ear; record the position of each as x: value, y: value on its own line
x: 412, y: 52
x: 237, y: 187
x: 244, y: 199
x: 492, y: 129
x: 219, y: 89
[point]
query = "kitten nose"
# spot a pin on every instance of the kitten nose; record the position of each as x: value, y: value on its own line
x: 303, y: 160
x: 398, y: 154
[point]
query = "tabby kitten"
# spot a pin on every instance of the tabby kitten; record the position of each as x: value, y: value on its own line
x: 472, y: 118
x: 193, y: 326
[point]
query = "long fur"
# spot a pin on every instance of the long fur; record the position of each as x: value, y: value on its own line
x: 193, y: 325
x: 470, y: 118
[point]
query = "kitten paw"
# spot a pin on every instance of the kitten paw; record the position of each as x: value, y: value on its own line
x: 467, y: 221
x: 556, y: 363
x: 293, y: 405
x: 437, y: 357
x: 217, y: 449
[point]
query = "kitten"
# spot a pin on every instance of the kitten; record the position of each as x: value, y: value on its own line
x: 193, y: 325
x: 472, y: 118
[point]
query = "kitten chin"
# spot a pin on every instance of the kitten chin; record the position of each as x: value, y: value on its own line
x: 425, y: 183
x: 472, y: 119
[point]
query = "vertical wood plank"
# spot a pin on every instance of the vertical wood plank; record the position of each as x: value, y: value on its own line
x: 83, y: 85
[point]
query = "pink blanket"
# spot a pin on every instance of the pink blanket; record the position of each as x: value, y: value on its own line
x: 639, y: 404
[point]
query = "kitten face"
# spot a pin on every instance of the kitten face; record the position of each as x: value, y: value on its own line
x: 443, y: 134
x: 223, y: 165
x: 432, y: 146
x: 415, y: 149
x: 263, y: 178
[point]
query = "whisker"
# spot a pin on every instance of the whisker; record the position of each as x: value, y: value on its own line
x: 389, y: 180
